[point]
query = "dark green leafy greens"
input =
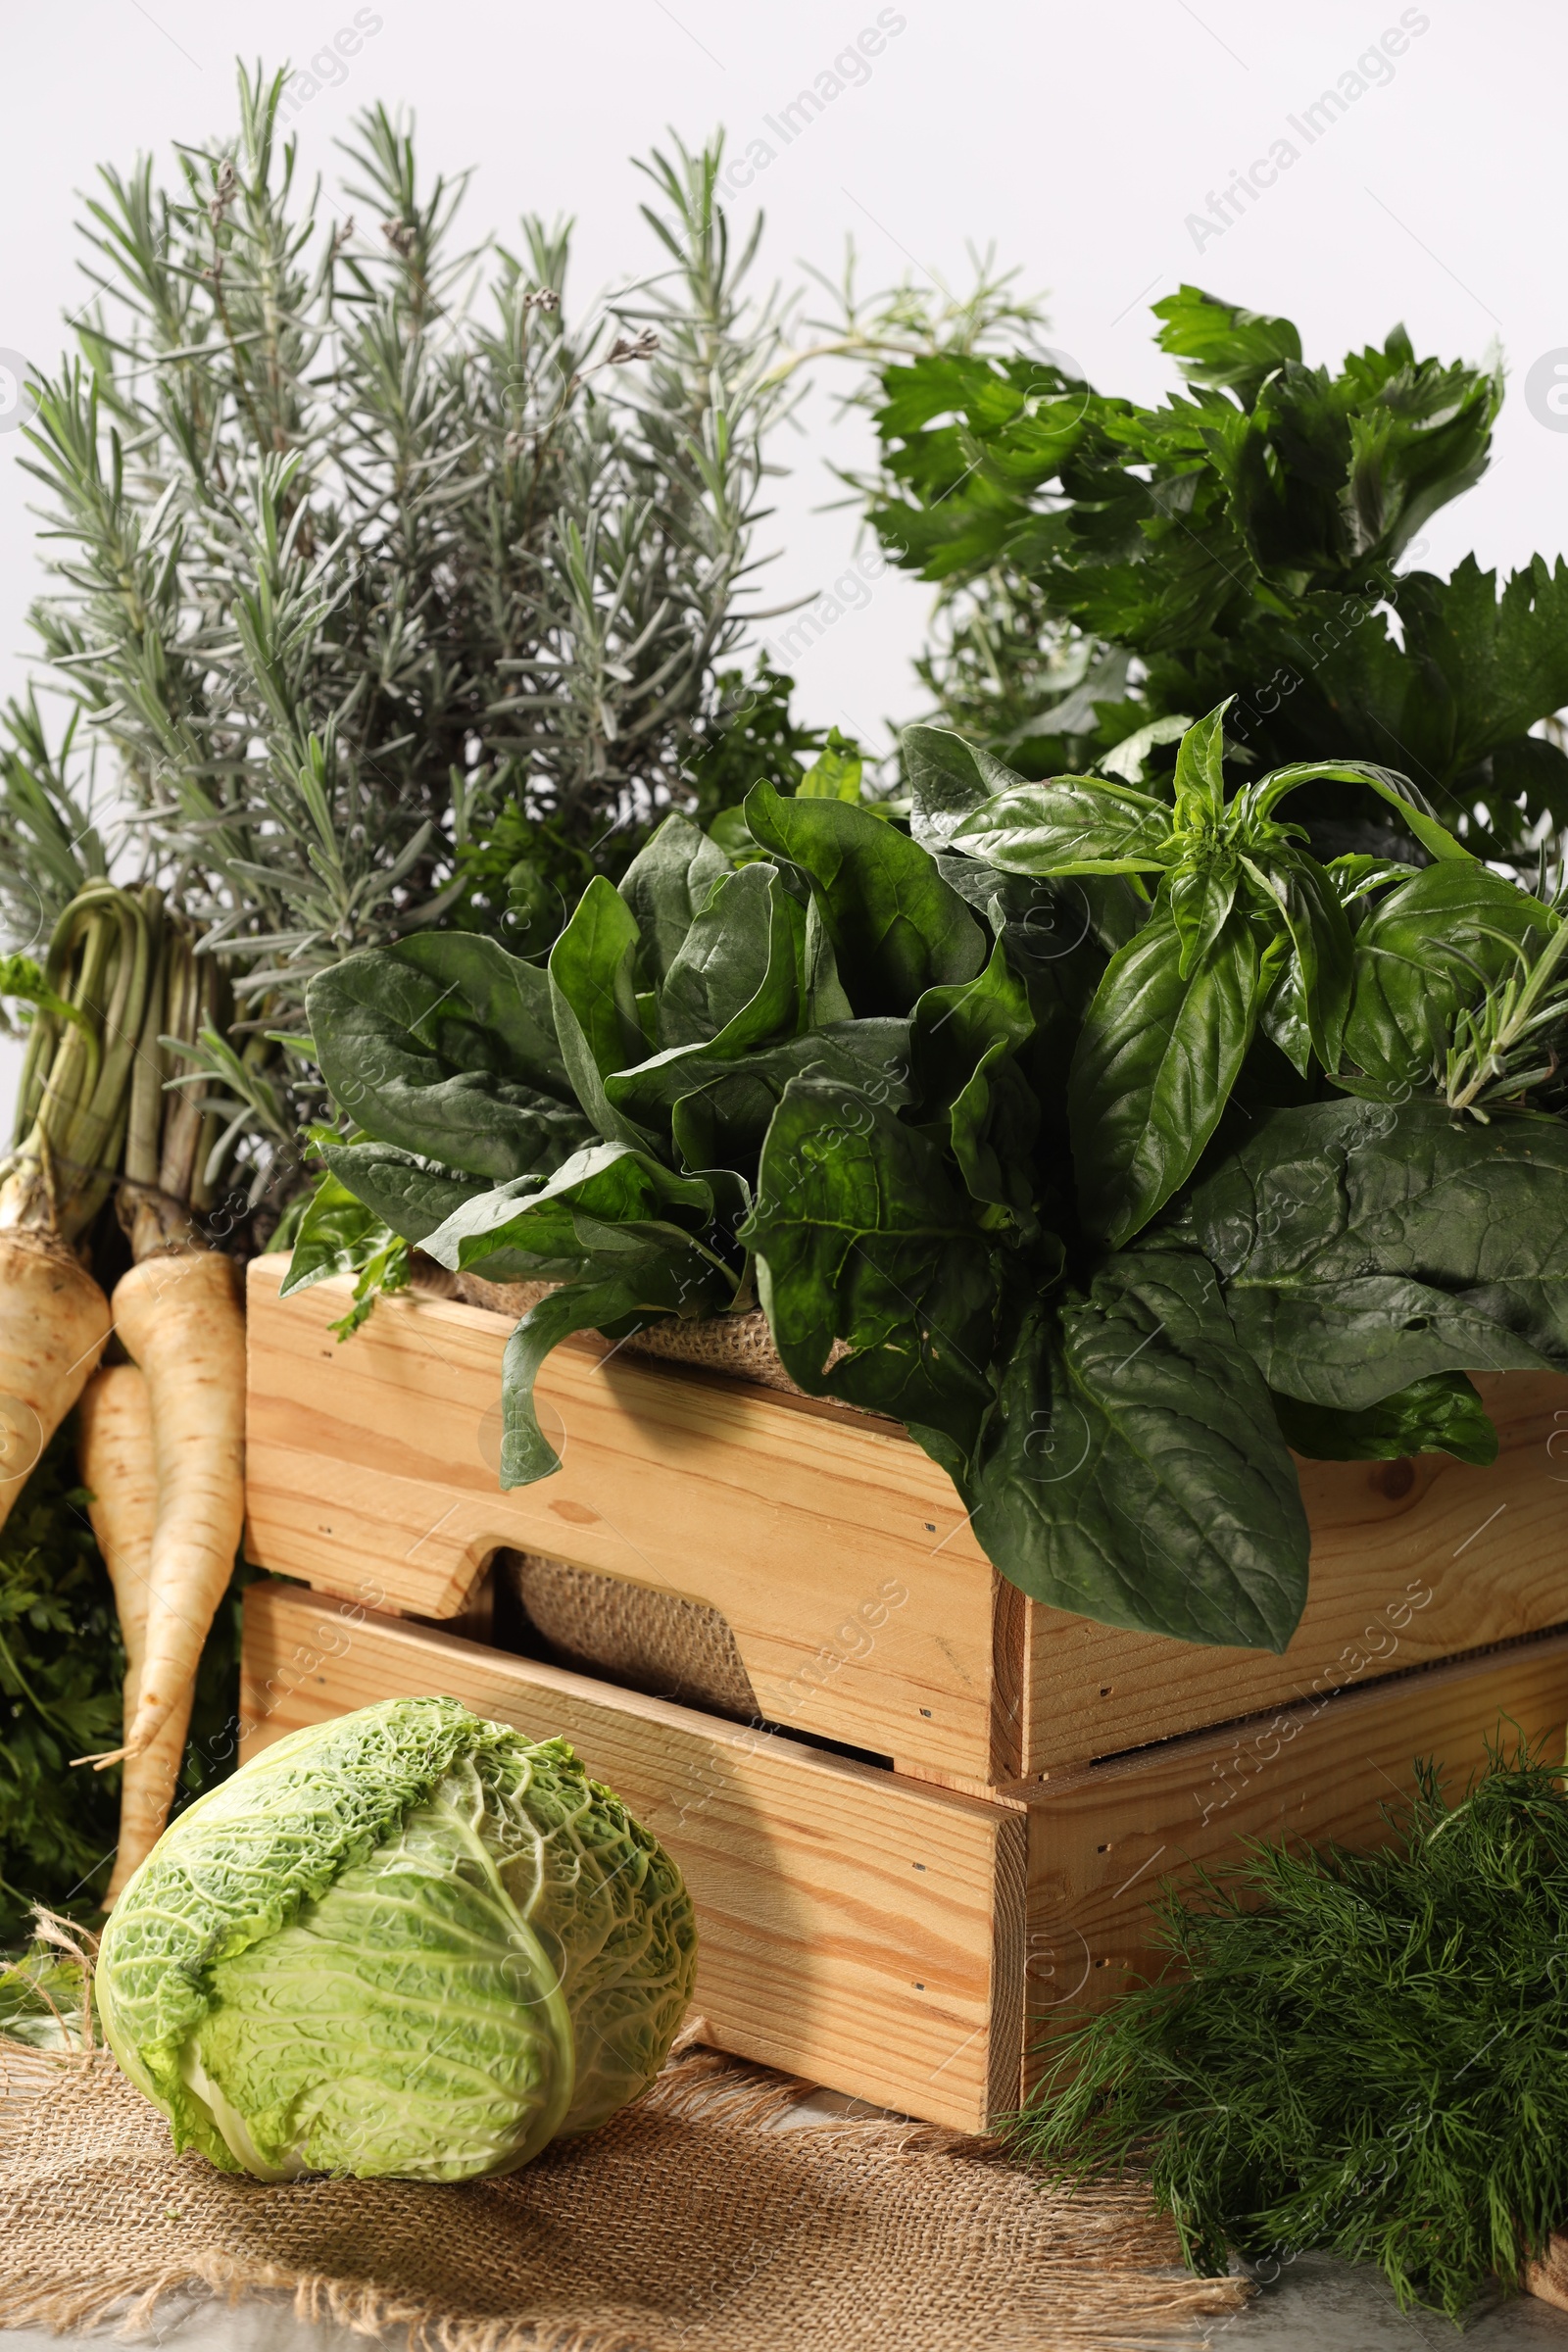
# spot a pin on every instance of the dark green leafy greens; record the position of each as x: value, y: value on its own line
x: 61, y: 1669
x: 1361, y: 2053
x: 1042, y: 1127
x: 1246, y: 928
x: 1110, y: 570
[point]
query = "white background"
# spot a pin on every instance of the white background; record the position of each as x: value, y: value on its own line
x: 1079, y: 139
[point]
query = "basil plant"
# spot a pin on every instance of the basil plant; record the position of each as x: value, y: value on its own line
x: 404, y: 1942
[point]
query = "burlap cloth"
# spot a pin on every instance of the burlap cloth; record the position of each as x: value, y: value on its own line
x: 690, y: 2223
x: 659, y: 1642
x: 740, y: 1345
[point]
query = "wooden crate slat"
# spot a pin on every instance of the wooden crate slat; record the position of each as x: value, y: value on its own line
x: 860, y: 1603
x: 1411, y: 1562
x: 880, y: 1936
x: 1103, y: 1837
x: 849, y: 1919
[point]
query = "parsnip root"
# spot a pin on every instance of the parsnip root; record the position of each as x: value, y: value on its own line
x: 115, y: 1454
x: 54, y: 1321
x: 180, y: 1319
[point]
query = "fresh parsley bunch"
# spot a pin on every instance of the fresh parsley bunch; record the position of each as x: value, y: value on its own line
x: 1110, y: 571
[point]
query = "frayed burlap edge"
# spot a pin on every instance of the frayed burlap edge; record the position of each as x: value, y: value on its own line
x: 697, y: 2083
x: 135, y: 2303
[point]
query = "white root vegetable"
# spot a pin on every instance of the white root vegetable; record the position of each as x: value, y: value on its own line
x: 115, y: 1454
x: 180, y: 1319
x: 54, y: 1321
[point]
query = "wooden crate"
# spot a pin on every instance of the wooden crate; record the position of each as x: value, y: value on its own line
x: 890, y: 1939
x: 860, y: 1601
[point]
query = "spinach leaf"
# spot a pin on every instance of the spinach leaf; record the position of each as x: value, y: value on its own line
x: 488, y: 991
x: 739, y: 977
x: 608, y: 1203
x: 963, y: 1042
x: 339, y: 1235
x: 835, y: 773
x: 593, y: 992
x: 406, y: 1193
x: 1364, y: 1247
x: 953, y: 1028
x: 861, y: 1237
x: 665, y: 886
x: 1134, y: 1471
x: 402, y: 1056
x: 1154, y: 1065
x: 992, y: 1126
x: 721, y: 1112
x: 825, y: 999
x: 643, y: 1290
x: 895, y: 927
x: 1442, y: 1414
x: 949, y: 779
x: 1431, y: 945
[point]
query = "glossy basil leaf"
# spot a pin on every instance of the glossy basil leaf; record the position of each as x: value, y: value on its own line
x: 1442, y: 1414
x: 1283, y: 1016
x: 1260, y: 800
x: 739, y: 977
x: 895, y: 927
x: 1323, y: 952
x: 1200, y: 770
x: 1069, y: 826
x: 1364, y: 1247
x: 1430, y: 947
x: 408, y: 1196
x: 607, y: 1202
x: 722, y: 1110
x: 947, y: 778
x: 665, y: 887
x: 1133, y: 1470
x: 1154, y: 1065
x: 1200, y: 897
x: 644, y: 1290
x: 860, y: 1236
x: 1358, y: 876
x: 401, y: 1057
x: 593, y: 989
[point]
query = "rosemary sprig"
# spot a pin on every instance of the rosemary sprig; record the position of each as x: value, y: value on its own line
x: 1494, y: 1054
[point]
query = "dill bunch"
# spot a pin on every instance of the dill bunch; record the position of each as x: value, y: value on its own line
x: 1362, y: 2054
